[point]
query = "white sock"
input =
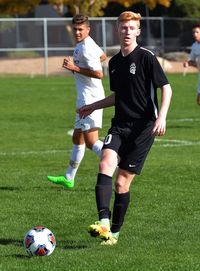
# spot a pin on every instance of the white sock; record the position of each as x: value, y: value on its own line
x: 105, y: 221
x: 115, y: 234
x: 76, y: 157
x: 97, y: 147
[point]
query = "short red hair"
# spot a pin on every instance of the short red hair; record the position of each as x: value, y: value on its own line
x: 128, y: 16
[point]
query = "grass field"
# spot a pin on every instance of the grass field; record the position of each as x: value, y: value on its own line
x: 162, y: 227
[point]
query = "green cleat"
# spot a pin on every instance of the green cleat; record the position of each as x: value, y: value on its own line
x: 61, y: 180
x: 100, y: 230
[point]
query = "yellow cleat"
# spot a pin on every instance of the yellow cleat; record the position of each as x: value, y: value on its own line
x: 100, y: 230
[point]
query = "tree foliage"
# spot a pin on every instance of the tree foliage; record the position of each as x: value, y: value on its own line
x: 16, y: 7
x: 95, y: 7
x: 151, y: 4
x: 189, y: 8
x: 90, y: 7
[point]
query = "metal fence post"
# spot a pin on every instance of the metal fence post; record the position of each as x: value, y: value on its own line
x: 103, y: 23
x: 104, y: 34
x: 45, y: 47
x: 162, y: 39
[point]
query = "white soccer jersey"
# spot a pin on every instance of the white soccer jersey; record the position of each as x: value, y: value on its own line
x: 195, y: 56
x: 87, y: 55
x: 195, y: 53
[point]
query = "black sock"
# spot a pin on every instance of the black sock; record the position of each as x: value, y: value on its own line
x: 103, y: 191
x: 120, y: 207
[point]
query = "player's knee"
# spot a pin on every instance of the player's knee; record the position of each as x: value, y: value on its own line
x: 122, y: 187
x: 89, y: 144
x: 105, y: 165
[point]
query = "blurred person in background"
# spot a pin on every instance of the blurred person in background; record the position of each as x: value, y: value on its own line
x: 194, y: 57
x: 87, y: 69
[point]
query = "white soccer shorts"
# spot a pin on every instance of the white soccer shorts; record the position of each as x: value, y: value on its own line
x: 94, y: 120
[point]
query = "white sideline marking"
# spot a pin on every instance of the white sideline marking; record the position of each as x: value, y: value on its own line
x: 175, y: 143
x: 158, y: 143
x: 183, y: 120
x: 32, y: 152
x: 70, y: 132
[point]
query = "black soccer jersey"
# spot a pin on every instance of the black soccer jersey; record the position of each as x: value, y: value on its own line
x: 135, y: 79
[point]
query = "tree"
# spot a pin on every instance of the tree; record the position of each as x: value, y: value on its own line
x: 17, y: 7
x: 91, y: 7
x: 188, y: 8
x: 151, y: 4
x: 95, y: 7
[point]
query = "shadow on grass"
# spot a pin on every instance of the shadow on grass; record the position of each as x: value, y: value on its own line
x: 5, y: 242
x: 17, y: 243
x: 170, y: 126
x: 62, y: 189
x: 50, y: 188
x: 9, y: 188
x: 65, y: 245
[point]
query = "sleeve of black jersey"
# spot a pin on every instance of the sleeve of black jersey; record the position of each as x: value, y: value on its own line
x: 159, y: 77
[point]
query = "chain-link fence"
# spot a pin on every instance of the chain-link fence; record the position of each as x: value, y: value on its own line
x: 47, y: 37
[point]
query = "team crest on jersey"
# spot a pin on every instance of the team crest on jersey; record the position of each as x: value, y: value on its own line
x: 133, y: 68
x: 76, y: 51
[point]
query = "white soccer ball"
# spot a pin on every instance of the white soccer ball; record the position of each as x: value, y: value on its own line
x: 39, y: 241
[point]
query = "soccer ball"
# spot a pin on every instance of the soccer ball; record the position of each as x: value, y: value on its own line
x: 39, y: 241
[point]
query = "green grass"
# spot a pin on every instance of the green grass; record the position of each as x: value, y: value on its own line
x: 161, y: 231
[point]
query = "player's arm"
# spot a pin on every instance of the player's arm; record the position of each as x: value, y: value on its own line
x: 192, y: 63
x: 189, y: 63
x: 69, y: 65
x: 86, y: 110
x: 160, y: 123
x: 103, y: 57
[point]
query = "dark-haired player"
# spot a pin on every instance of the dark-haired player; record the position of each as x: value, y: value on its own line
x: 87, y: 69
x: 194, y: 57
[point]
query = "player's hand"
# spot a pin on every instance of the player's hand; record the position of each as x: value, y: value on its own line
x: 159, y: 127
x: 185, y: 64
x: 68, y: 63
x: 84, y: 111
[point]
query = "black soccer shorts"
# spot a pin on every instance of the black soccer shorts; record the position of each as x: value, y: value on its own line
x: 132, y: 143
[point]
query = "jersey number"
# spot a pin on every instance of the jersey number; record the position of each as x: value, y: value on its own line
x: 108, y: 139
